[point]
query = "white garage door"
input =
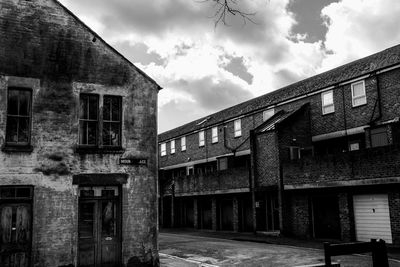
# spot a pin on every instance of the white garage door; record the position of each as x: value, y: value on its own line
x: 371, y: 213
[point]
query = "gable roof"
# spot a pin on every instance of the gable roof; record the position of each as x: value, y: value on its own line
x: 384, y: 59
x: 108, y: 45
x: 278, y: 118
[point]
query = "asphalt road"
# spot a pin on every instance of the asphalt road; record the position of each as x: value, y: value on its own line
x: 180, y: 250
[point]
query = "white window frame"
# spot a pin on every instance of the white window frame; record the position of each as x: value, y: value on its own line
x: 183, y: 143
x: 172, y: 143
x: 353, y: 97
x: 201, y: 138
x: 267, y: 113
x: 237, y: 125
x: 214, y: 134
x: 326, y: 106
x: 163, y: 149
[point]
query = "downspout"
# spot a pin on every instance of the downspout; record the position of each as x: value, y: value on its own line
x: 252, y: 177
x: 345, y: 131
x: 378, y: 91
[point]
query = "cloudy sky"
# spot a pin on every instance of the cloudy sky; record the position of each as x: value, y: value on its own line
x: 204, y: 69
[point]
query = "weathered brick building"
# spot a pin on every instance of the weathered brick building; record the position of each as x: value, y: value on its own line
x: 78, y: 164
x: 316, y: 159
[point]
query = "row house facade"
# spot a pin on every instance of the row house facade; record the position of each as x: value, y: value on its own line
x: 316, y: 159
x: 78, y: 164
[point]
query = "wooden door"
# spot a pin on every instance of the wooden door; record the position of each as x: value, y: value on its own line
x: 15, y: 234
x: 99, y: 233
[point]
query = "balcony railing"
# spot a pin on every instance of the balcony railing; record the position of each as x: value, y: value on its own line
x: 379, y: 162
x: 225, y: 181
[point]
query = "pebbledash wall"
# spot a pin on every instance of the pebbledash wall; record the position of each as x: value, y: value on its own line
x: 47, y: 50
x: 339, y: 162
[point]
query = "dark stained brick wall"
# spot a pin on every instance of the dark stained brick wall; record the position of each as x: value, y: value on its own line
x: 46, y: 49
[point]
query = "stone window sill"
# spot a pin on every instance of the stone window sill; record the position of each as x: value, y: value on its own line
x: 99, y: 150
x: 17, y: 149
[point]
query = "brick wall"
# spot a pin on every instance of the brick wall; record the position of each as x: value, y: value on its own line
x: 266, y: 159
x: 62, y: 58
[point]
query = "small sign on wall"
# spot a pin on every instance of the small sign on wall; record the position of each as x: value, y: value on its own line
x: 133, y: 161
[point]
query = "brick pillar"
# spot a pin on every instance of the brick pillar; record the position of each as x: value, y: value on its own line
x: 195, y: 214
x: 345, y: 215
x: 235, y: 205
x: 214, y: 213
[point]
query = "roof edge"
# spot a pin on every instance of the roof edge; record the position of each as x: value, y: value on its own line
x: 108, y: 45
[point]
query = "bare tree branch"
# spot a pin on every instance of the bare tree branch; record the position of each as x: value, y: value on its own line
x: 226, y: 8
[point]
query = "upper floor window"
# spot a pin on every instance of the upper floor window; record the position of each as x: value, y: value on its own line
x: 214, y: 133
x: 201, y: 138
x: 183, y: 143
x: 173, y: 147
x: 163, y: 149
x: 88, y: 119
x: 19, y: 102
x: 238, y: 127
x: 358, y: 95
x: 112, y: 121
x: 327, y: 102
x: 268, y: 114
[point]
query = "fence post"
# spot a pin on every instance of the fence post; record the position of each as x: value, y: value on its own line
x: 379, y: 253
x: 327, y: 254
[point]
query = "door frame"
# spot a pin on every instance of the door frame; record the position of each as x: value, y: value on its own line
x: 119, y: 215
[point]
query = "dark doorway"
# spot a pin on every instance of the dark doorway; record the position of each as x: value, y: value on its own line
x: 166, y: 212
x: 99, y: 227
x: 267, y: 212
x: 225, y: 214
x: 15, y: 226
x: 205, y: 214
x: 184, y: 214
x: 245, y: 215
x: 325, y: 212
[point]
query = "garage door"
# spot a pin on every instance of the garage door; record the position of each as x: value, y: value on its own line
x: 372, y: 219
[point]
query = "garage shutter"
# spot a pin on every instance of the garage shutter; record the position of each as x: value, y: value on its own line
x: 372, y: 219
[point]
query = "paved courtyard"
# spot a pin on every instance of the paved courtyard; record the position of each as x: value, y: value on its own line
x: 178, y: 250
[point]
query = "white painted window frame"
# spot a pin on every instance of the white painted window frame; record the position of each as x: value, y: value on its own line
x: 172, y: 146
x: 325, y: 105
x: 267, y: 115
x: 214, y: 134
x: 238, y: 127
x: 183, y: 143
x: 163, y: 149
x: 201, y: 138
x: 353, y: 97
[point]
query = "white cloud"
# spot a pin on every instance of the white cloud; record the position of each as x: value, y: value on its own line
x: 358, y: 28
x: 182, y: 35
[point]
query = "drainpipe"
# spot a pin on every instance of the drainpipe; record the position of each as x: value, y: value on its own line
x: 252, y: 177
x: 378, y: 91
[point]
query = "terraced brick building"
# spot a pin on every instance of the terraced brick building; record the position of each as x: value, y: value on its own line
x: 316, y: 159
